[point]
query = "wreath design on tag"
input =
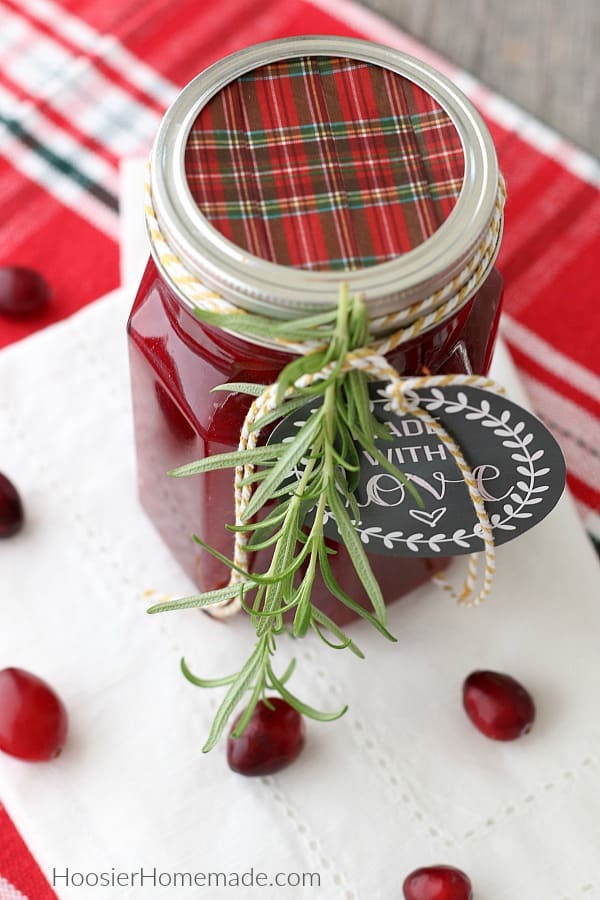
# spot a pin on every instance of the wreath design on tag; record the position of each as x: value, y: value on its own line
x: 516, y: 437
x: 526, y: 446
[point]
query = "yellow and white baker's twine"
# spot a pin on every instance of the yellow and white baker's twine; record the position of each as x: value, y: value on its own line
x: 421, y: 316
x: 425, y: 314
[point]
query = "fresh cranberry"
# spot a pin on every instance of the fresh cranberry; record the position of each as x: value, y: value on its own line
x: 23, y: 292
x: 437, y: 883
x: 271, y: 741
x: 498, y: 705
x: 11, y: 508
x: 33, y: 720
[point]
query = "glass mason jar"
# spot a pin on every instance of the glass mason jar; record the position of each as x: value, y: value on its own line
x: 277, y: 173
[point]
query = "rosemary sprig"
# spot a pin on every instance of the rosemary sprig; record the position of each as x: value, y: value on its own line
x: 324, y: 454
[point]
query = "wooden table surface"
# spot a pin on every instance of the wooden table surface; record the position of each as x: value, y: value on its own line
x: 542, y: 54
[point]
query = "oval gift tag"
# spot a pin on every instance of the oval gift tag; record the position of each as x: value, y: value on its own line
x: 517, y: 464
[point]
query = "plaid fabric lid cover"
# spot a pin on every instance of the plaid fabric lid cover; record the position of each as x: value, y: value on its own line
x: 324, y: 163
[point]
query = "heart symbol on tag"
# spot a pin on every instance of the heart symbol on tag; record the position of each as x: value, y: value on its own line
x: 431, y: 518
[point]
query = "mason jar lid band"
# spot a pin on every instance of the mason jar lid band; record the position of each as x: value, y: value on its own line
x: 398, y: 327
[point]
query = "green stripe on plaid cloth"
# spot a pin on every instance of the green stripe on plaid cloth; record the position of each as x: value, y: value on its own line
x: 324, y: 163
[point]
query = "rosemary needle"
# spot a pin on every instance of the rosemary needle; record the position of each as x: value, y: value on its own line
x: 324, y: 455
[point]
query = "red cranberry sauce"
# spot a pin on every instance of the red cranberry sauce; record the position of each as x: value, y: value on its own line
x: 175, y: 361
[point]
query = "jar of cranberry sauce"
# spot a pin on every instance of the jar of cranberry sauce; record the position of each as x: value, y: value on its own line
x: 279, y: 172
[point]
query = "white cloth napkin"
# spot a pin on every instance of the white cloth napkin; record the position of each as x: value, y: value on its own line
x: 403, y: 780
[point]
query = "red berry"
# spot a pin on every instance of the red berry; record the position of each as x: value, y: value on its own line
x: 23, y: 292
x: 11, y: 508
x: 498, y: 705
x: 33, y: 720
x: 271, y: 741
x: 437, y: 883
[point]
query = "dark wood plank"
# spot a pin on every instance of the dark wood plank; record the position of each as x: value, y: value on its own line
x: 542, y: 54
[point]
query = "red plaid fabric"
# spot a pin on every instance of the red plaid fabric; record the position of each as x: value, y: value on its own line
x: 20, y: 876
x: 83, y: 84
x: 324, y: 163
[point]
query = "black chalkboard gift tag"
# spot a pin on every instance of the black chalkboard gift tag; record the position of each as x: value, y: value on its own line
x: 517, y: 465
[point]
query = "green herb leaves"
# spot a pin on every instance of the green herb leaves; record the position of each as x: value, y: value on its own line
x: 296, y: 484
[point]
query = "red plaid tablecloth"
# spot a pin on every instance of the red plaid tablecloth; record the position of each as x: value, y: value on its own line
x: 83, y: 84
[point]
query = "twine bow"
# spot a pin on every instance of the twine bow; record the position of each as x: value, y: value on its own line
x: 371, y: 360
x: 397, y: 390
